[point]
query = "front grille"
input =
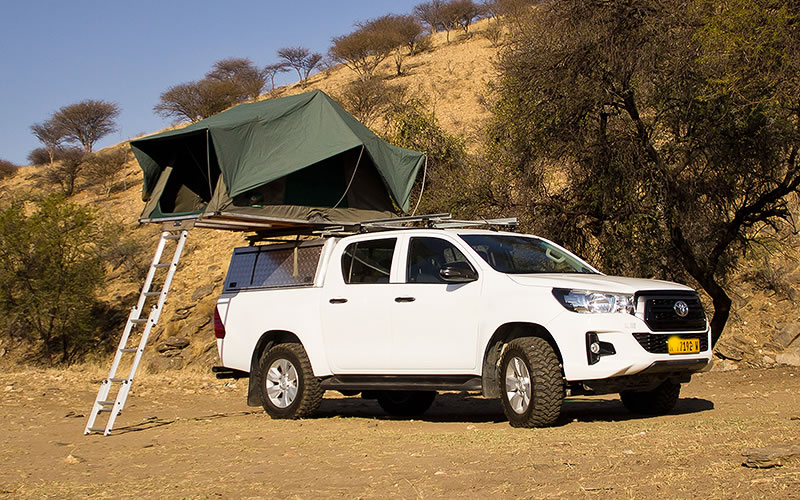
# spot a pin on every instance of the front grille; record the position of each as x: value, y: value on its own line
x: 660, y: 314
x: 657, y: 343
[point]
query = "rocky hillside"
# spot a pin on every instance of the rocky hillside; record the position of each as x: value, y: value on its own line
x: 452, y: 76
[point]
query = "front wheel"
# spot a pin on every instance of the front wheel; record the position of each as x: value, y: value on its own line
x: 531, y: 384
x: 659, y: 401
x: 287, y: 386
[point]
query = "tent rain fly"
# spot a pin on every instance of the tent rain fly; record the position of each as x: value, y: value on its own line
x: 295, y: 161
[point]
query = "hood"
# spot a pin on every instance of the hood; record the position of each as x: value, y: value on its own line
x: 596, y: 282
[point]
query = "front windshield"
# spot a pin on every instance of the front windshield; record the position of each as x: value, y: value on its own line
x: 514, y: 254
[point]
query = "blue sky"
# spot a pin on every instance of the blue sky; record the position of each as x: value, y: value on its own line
x: 58, y: 52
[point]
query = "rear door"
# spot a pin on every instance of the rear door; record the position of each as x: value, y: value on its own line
x: 356, y: 306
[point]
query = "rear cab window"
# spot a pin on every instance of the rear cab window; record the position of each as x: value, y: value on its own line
x: 368, y: 261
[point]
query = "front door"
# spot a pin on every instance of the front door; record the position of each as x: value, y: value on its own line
x: 435, y: 323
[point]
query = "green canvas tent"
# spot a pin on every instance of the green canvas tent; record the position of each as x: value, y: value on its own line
x: 286, y: 162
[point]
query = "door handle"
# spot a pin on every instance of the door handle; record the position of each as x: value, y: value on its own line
x: 337, y: 301
x: 404, y: 299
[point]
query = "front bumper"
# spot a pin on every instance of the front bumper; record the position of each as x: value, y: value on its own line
x: 636, y: 349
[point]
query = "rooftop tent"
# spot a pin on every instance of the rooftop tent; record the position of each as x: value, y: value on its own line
x: 282, y: 162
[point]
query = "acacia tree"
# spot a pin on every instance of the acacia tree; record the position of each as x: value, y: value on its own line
x: 405, y: 31
x: 248, y: 80
x: 271, y: 70
x: 430, y: 13
x: 655, y: 126
x: 51, y: 135
x: 301, y: 59
x: 366, y: 47
x: 197, y: 100
x: 86, y: 122
x: 458, y: 14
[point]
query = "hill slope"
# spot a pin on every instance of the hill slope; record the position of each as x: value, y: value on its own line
x: 453, y: 78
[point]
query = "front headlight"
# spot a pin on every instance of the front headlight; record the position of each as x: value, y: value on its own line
x: 588, y: 301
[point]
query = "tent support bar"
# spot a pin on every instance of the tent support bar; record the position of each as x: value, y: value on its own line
x: 208, y: 164
x: 422, y: 186
x: 355, y: 169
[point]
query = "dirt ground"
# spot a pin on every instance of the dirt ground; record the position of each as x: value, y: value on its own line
x: 192, y: 436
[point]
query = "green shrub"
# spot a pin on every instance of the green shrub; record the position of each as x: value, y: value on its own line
x: 50, y: 271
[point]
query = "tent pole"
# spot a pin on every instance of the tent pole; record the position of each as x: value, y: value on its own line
x: 422, y: 187
x: 358, y: 162
x: 208, y: 165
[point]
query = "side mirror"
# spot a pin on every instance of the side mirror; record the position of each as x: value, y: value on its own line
x: 458, y: 272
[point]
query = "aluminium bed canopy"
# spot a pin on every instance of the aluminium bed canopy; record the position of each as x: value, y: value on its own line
x: 286, y: 162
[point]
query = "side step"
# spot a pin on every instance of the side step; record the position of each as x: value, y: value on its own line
x: 222, y: 372
x: 469, y: 383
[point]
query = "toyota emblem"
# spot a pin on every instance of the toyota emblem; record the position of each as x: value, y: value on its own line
x: 681, y: 309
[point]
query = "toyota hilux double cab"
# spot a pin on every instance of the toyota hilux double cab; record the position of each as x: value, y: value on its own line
x: 398, y: 315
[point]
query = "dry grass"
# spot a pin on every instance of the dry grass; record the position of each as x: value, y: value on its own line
x: 188, y: 435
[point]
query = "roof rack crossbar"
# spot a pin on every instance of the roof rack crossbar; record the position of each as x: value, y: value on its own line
x: 510, y: 222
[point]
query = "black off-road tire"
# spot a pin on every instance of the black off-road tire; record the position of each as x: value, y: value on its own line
x: 659, y: 401
x: 546, y: 383
x: 308, y: 395
x: 406, y: 403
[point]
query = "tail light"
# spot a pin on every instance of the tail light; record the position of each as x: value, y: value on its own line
x: 219, y: 328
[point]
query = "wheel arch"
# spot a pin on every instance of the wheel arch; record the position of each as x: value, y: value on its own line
x: 494, y: 348
x: 265, y: 343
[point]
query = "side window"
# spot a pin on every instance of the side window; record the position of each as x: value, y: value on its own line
x: 427, y: 255
x: 368, y: 261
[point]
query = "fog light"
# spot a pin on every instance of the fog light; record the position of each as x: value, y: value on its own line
x: 595, y: 349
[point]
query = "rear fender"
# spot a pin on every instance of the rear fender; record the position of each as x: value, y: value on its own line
x: 263, y: 345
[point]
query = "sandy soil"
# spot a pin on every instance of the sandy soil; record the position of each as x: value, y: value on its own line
x: 191, y: 436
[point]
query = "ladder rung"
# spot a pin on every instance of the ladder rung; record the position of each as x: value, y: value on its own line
x: 138, y: 321
x: 162, y: 264
x: 106, y: 403
x: 172, y: 236
x: 96, y: 429
x: 128, y: 349
x: 105, y: 410
x: 151, y: 294
x: 118, y: 379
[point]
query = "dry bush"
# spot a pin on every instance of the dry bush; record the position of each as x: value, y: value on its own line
x: 369, y: 99
x: 64, y: 173
x: 7, y: 169
x: 103, y: 168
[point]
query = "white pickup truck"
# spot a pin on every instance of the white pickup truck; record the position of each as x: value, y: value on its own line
x: 398, y: 315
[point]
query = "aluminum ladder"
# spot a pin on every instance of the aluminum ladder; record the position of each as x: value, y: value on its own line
x: 105, y: 401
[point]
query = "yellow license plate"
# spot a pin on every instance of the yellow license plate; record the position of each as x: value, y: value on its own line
x: 677, y: 345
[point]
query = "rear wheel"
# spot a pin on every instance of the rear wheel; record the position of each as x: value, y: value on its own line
x: 406, y: 403
x: 287, y: 386
x: 531, y: 385
x: 659, y: 401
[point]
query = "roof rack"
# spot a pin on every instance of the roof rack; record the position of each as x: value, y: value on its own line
x: 433, y: 221
x: 437, y: 221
